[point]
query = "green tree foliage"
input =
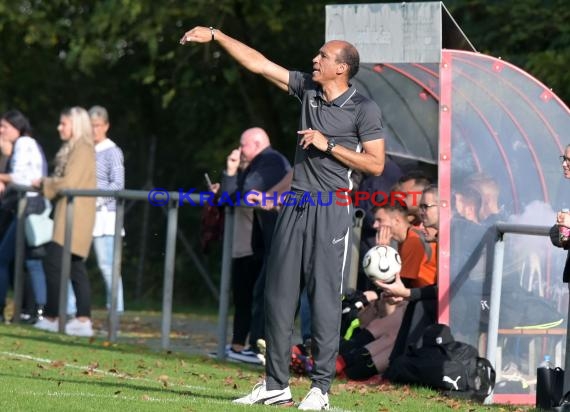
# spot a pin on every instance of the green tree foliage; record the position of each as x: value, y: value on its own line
x: 193, y: 99
x: 532, y: 34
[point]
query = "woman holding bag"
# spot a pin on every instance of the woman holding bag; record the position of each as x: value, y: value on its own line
x: 74, y: 169
x: 25, y: 163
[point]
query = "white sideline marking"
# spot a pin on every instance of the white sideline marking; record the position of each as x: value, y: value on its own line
x: 146, y: 398
x: 124, y: 376
x: 102, y: 372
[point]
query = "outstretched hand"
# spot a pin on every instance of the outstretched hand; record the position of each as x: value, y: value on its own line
x: 198, y: 34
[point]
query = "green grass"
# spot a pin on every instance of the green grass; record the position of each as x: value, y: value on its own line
x: 41, y: 371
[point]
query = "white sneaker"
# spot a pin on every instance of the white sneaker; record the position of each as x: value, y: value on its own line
x: 77, y: 328
x: 260, y: 395
x: 46, y: 324
x: 315, y: 401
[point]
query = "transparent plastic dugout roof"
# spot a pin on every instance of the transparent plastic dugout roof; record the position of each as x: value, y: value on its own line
x: 485, y: 124
x: 501, y: 133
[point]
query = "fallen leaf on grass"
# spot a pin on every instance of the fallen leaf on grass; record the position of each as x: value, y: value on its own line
x: 57, y: 364
x: 39, y: 365
x: 145, y: 398
x: 454, y: 404
x: 164, y: 380
x: 117, y: 392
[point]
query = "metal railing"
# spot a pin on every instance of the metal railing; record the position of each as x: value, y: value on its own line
x: 169, y: 263
x: 121, y: 196
x: 496, y: 288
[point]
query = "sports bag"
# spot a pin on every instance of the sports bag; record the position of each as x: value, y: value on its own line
x: 439, y: 362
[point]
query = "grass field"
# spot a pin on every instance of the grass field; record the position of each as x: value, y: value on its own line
x: 41, y: 371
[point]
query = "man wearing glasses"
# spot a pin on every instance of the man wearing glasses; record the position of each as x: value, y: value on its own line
x: 422, y: 302
x: 429, y: 212
x: 557, y: 235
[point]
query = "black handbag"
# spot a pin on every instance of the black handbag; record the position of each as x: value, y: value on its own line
x: 549, y: 387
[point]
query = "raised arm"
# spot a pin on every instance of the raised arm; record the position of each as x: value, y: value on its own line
x: 249, y: 58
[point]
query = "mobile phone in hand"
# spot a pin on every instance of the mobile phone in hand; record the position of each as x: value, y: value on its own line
x: 208, y: 180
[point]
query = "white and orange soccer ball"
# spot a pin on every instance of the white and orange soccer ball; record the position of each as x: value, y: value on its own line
x: 382, y: 263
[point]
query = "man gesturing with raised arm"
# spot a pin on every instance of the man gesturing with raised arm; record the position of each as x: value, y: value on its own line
x: 339, y: 130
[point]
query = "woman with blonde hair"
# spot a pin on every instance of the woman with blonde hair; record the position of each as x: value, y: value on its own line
x: 74, y: 169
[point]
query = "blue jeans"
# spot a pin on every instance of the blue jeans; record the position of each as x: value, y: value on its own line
x: 35, y: 268
x: 71, y: 301
x: 7, y: 251
x: 104, y: 246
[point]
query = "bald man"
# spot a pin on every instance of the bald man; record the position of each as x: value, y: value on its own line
x: 339, y: 130
x: 265, y: 167
x: 261, y: 174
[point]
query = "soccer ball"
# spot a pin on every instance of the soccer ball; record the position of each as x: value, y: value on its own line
x: 382, y: 263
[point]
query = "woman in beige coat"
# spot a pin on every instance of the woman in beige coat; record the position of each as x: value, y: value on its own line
x: 74, y: 169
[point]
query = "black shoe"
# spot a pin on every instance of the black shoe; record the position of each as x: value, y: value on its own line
x: 26, y: 319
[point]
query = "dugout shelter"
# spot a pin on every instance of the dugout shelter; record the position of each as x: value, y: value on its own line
x: 483, y: 122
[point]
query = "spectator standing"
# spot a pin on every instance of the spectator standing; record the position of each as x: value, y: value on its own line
x: 26, y: 162
x: 110, y: 173
x: 265, y: 167
x: 74, y: 169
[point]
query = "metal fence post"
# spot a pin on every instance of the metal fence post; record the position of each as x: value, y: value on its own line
x: 65, y: 265
x: 116, y: 273
x: 495, y: 299
x: 169, y: 260
x: 225, y: 281
x: 20, y: 255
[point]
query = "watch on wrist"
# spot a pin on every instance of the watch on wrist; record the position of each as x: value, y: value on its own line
x: 330, y: 145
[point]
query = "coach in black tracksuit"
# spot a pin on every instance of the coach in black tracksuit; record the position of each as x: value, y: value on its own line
x: 311, y: 242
